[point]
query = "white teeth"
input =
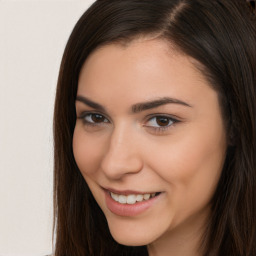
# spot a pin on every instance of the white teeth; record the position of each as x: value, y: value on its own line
x: 114, y: 196
x: 131, y: 199
x: 139, y: 198
x: 146, y: 196
x: 122, y: 199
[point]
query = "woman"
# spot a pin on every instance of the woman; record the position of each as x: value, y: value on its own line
x: 154, y: 130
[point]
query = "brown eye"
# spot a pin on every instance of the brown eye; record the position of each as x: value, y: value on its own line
x: 162, y: 121
x: 94, y: 118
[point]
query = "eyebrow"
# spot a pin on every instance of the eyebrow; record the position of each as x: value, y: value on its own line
x: 156, y: 103
x: 138, y: 107
x: 90, y: 103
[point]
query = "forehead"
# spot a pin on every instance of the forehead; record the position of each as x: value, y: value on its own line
x: 140, y: 70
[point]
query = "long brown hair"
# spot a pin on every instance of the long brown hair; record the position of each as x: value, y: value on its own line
x: 221, y: 36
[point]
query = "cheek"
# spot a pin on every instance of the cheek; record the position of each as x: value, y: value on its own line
x: 86, y: 152
x: 190, y: 168
x: 191, y: 161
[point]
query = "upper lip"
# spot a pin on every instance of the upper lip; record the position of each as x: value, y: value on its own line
x: 126, y: 192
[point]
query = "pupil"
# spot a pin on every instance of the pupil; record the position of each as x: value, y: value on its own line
x: 162, y: 121
x: 97, y: 118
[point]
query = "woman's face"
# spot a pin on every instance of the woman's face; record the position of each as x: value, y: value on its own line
x: 149, y: 140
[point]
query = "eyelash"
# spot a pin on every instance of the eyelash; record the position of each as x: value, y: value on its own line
x: 161, y: 129
x: 157, y: 129
x: 88, y: 123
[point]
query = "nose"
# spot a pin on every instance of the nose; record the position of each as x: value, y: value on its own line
x: 122, y: 155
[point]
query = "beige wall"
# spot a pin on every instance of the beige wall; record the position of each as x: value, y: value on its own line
x: 32, y: 39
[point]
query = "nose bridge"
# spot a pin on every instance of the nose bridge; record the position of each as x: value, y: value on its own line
x: 122, y: 154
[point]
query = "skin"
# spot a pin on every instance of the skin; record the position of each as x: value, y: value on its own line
x: 128, y: 151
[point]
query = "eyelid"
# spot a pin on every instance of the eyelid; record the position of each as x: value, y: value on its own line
x: 169, y: 123
x: 84, y: 114
x: 95, y: 112
x: 154, y: 129
x: 161, y: 129
x: 171, y: 117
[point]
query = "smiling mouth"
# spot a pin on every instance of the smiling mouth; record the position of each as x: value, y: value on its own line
x: 132, y: 198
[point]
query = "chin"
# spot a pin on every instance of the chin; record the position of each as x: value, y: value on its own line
x: 131, y: 236
x: 130, y: 240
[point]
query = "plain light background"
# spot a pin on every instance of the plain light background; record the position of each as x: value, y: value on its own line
x: 33, y: 35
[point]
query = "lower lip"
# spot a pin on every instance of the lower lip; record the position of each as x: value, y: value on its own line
x: 128, y: 210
